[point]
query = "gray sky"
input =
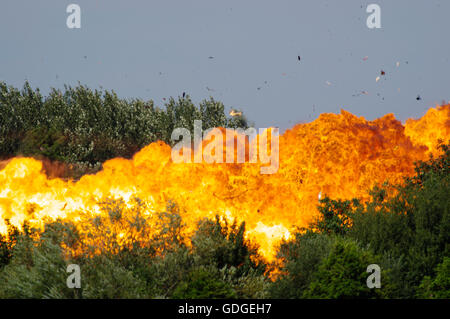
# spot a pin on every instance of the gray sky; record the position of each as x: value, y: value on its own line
x: 160, y: 48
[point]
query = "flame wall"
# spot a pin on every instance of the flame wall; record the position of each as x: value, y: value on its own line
x: 340, y: 155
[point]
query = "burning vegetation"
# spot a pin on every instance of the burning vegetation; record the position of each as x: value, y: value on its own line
x: 336, y: 157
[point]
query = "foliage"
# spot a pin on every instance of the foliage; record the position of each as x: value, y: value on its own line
x: 36, y: 270
x: 201, y: 284
x: 7, y: 242
x: 122, y: 256
x: 85, y: 127
x: 128, y: 252
x: 342, y: 274
x: 125, y: 252
x: 222, y: 245
x: 300, y: 257
x: 412, y: 227
x: 106, y: 278
x: 335, y: 215
x: 405, y: 227
x: 439, y: 286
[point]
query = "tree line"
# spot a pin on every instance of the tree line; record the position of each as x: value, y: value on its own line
x: 84, y: 127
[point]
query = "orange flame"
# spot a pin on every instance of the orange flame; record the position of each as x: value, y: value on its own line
x: 341, y: 156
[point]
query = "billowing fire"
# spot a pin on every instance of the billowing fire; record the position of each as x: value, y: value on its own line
x: 341, y: 156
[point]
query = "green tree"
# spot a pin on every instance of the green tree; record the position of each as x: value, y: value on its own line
x: 300, y: 258
x: 439, y: 286
x: 222, y: 245
x: 86, y: 127
x: 342, y: 274
x: 411, y: 227
x: 36, y: 270
x: 201, y: 284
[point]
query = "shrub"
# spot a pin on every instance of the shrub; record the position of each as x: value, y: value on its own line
x: 439, y: 286
x: 201, y: 284
x: 342, y: 274
x: 222, y: 245
x: 300, y: 259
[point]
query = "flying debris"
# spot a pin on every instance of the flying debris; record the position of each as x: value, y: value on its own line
x: 184, y: 94
x: 210, y: 57
x: 382, y: 72
x: 377, y: 79
x: 235, y: 113
x: 362, y: 92
x: 298, y: 57
x: 365, y: 58
x: 378, y: 94
x: 209, y: 89
x: 418, y: 98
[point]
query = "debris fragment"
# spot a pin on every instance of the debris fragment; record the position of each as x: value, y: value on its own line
x: 235, y: 113
x: 362, y: 92
x: 365, y: 58
x: 382, y: 72
x: 377, y: 79
x: 418, y: 98
x: 298, y: 57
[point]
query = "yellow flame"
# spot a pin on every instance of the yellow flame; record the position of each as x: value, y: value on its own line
x: 339, y: 155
